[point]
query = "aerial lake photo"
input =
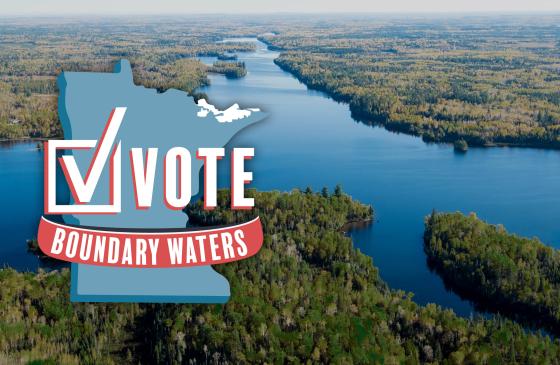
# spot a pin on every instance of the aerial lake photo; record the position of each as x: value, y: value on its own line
x: 406, y: 174
x: 311, y: 140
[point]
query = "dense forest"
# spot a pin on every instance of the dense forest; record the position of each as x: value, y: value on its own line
x: 483, y: 80
x: 308, y: 296
x: 505, y: 273
x: 163, y: 55
x: 39, y: 324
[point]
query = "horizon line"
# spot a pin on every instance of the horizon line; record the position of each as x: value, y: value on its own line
x: 344, y: 13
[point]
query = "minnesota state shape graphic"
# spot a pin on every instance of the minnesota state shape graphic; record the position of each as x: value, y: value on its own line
x: 152, y: 119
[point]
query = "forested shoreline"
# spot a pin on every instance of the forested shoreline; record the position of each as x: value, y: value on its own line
x: 163, y: 56
x: 484, y: 81
x: 502, y: 272
x: 374, y: 110
x: 307, y: 295
x: 441, y: 84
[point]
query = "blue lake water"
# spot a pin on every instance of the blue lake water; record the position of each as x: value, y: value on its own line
x: 21, y: 182
x: 310, y: 140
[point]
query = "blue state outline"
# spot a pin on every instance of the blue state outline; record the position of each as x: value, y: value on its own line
x: 72, y: 220
x: 179, y: 299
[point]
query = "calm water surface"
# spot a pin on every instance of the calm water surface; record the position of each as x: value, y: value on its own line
x: 309, y: 139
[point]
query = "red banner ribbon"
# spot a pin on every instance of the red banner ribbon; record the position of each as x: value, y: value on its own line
x: 181, y: 248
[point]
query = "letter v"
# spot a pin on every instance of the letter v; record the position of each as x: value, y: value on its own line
x: 143, y: 176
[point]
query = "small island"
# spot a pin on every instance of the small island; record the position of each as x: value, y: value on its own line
x: 460, y: 145
x: 231, y: 70
x: 227, y: 57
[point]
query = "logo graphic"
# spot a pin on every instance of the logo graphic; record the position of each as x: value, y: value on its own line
x: 131, y: 158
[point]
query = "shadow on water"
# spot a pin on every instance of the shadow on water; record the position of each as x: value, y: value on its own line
x: 541, y: 323
x: 361, y: 224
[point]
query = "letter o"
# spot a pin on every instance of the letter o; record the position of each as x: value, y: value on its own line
x: 72, y: 244
x: 177, y: 178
